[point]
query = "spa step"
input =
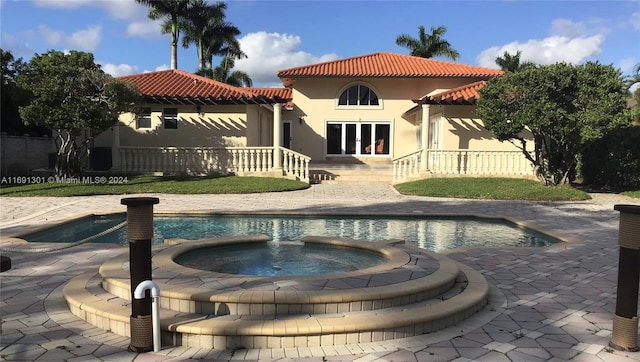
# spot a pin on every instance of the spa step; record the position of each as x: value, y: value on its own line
x: 468, y: 295
x: 417, y: 275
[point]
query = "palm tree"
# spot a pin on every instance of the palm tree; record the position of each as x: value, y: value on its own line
x: 204, y: 26
x: 634, y: 77
x: 171, y: 11
x: 222, y: 73
x: 428, y: 46
x: 511, y: 63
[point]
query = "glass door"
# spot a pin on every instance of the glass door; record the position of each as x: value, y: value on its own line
x: 356, y: 139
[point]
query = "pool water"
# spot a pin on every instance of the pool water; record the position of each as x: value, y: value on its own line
x: 279, y: 260
x: 436, y: 234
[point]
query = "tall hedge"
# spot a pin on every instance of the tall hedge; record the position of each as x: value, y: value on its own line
x: 613, y: 161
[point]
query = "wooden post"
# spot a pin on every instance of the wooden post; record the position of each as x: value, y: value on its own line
x: 625, y: 321
x: 139, y: 234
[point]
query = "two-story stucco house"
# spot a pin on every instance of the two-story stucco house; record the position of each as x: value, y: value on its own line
x: 414, y: 113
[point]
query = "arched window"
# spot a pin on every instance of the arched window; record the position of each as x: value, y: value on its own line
x: 358, y: 95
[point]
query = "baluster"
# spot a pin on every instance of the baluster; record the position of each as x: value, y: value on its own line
x: 147, y: 159
x: 237, y: 161
x: 159, y: 160
x: 123, y: 160
x: 137, y: 161
x: 252, y: 160
x: 165, y: 158
x: 306, y: 170
x: 285, y: 162
x: 148, y: 162
x: 245, y: 160
x: 494, y: 168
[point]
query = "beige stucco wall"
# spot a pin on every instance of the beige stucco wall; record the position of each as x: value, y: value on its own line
x: 217, y: 126
x: 316, y: 101
x: 463, y: 129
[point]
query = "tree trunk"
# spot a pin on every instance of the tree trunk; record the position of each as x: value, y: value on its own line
x: 174, y: 42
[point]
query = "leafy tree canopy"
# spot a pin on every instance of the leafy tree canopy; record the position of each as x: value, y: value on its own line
x: 13, y: 97
x: 564, y: 106
x: 70, y: 93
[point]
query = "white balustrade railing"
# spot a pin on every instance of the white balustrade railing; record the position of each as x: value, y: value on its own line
x: 407, y: 166
x: 210, y: 160
x: 295, y: 164
x: 250, y: 159
x: 463, y: 162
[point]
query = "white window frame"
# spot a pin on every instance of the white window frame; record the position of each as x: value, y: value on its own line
x: 360, y: 107
x: 165, y: 118
x: 146, y: 116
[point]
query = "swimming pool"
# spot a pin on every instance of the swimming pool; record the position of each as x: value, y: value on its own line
x: 435, y: 234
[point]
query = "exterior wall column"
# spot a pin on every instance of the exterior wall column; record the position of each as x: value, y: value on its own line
x: 115, y: 147
x: 277, y: 136
x: 424, y: 137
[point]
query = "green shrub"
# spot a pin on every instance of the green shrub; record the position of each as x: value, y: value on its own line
x: 613, y: 161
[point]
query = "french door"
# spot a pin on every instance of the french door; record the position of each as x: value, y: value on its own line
x: 358, y: 138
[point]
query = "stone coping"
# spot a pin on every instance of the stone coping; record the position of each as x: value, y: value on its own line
x: 410, y: 279
x: 12, y: 240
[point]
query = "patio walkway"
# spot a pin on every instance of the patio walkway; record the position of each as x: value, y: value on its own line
x: 552, y: 304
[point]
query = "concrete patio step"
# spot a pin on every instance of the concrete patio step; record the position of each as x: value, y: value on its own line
x: 352, y: 174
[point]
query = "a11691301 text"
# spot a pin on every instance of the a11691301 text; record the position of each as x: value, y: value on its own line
x: 89, y: 180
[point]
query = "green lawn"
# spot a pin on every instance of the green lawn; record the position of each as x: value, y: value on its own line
x: 156, y: 184
x: 635, y: 194
x: 462, y: 187
x: 491, y: 188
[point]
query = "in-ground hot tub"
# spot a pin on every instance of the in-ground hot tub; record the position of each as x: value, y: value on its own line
x: 280, y: 259
x: 410, y: 292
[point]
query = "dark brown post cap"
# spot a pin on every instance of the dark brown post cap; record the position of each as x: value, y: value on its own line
x: 139, y: 201
x: 631, y: 209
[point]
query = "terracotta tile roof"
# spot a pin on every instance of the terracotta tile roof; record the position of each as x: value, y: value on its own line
x: 466, y: 94
x: 387, y: 65
x: 280, y: 94
x: 180, y: 87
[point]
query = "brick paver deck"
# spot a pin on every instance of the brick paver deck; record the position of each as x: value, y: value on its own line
x: 558, y: 302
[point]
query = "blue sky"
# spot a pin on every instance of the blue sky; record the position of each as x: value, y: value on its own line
x: 282, y: 34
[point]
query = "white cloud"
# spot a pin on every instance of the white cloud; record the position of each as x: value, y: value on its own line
x: 118, y: 70
x: 85, y: 40
x: 567, y: 28
x: 626, y: 65
x: 635, y: 20
x: 18, y: 47
x: 117, y: 9
x: 158, y: 69
x: 569, y: 43
x: 147, y: 29
x: 269, y: 52
x: 128, y: 10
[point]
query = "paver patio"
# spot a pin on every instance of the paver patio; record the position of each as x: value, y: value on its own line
x: 552, y: 304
